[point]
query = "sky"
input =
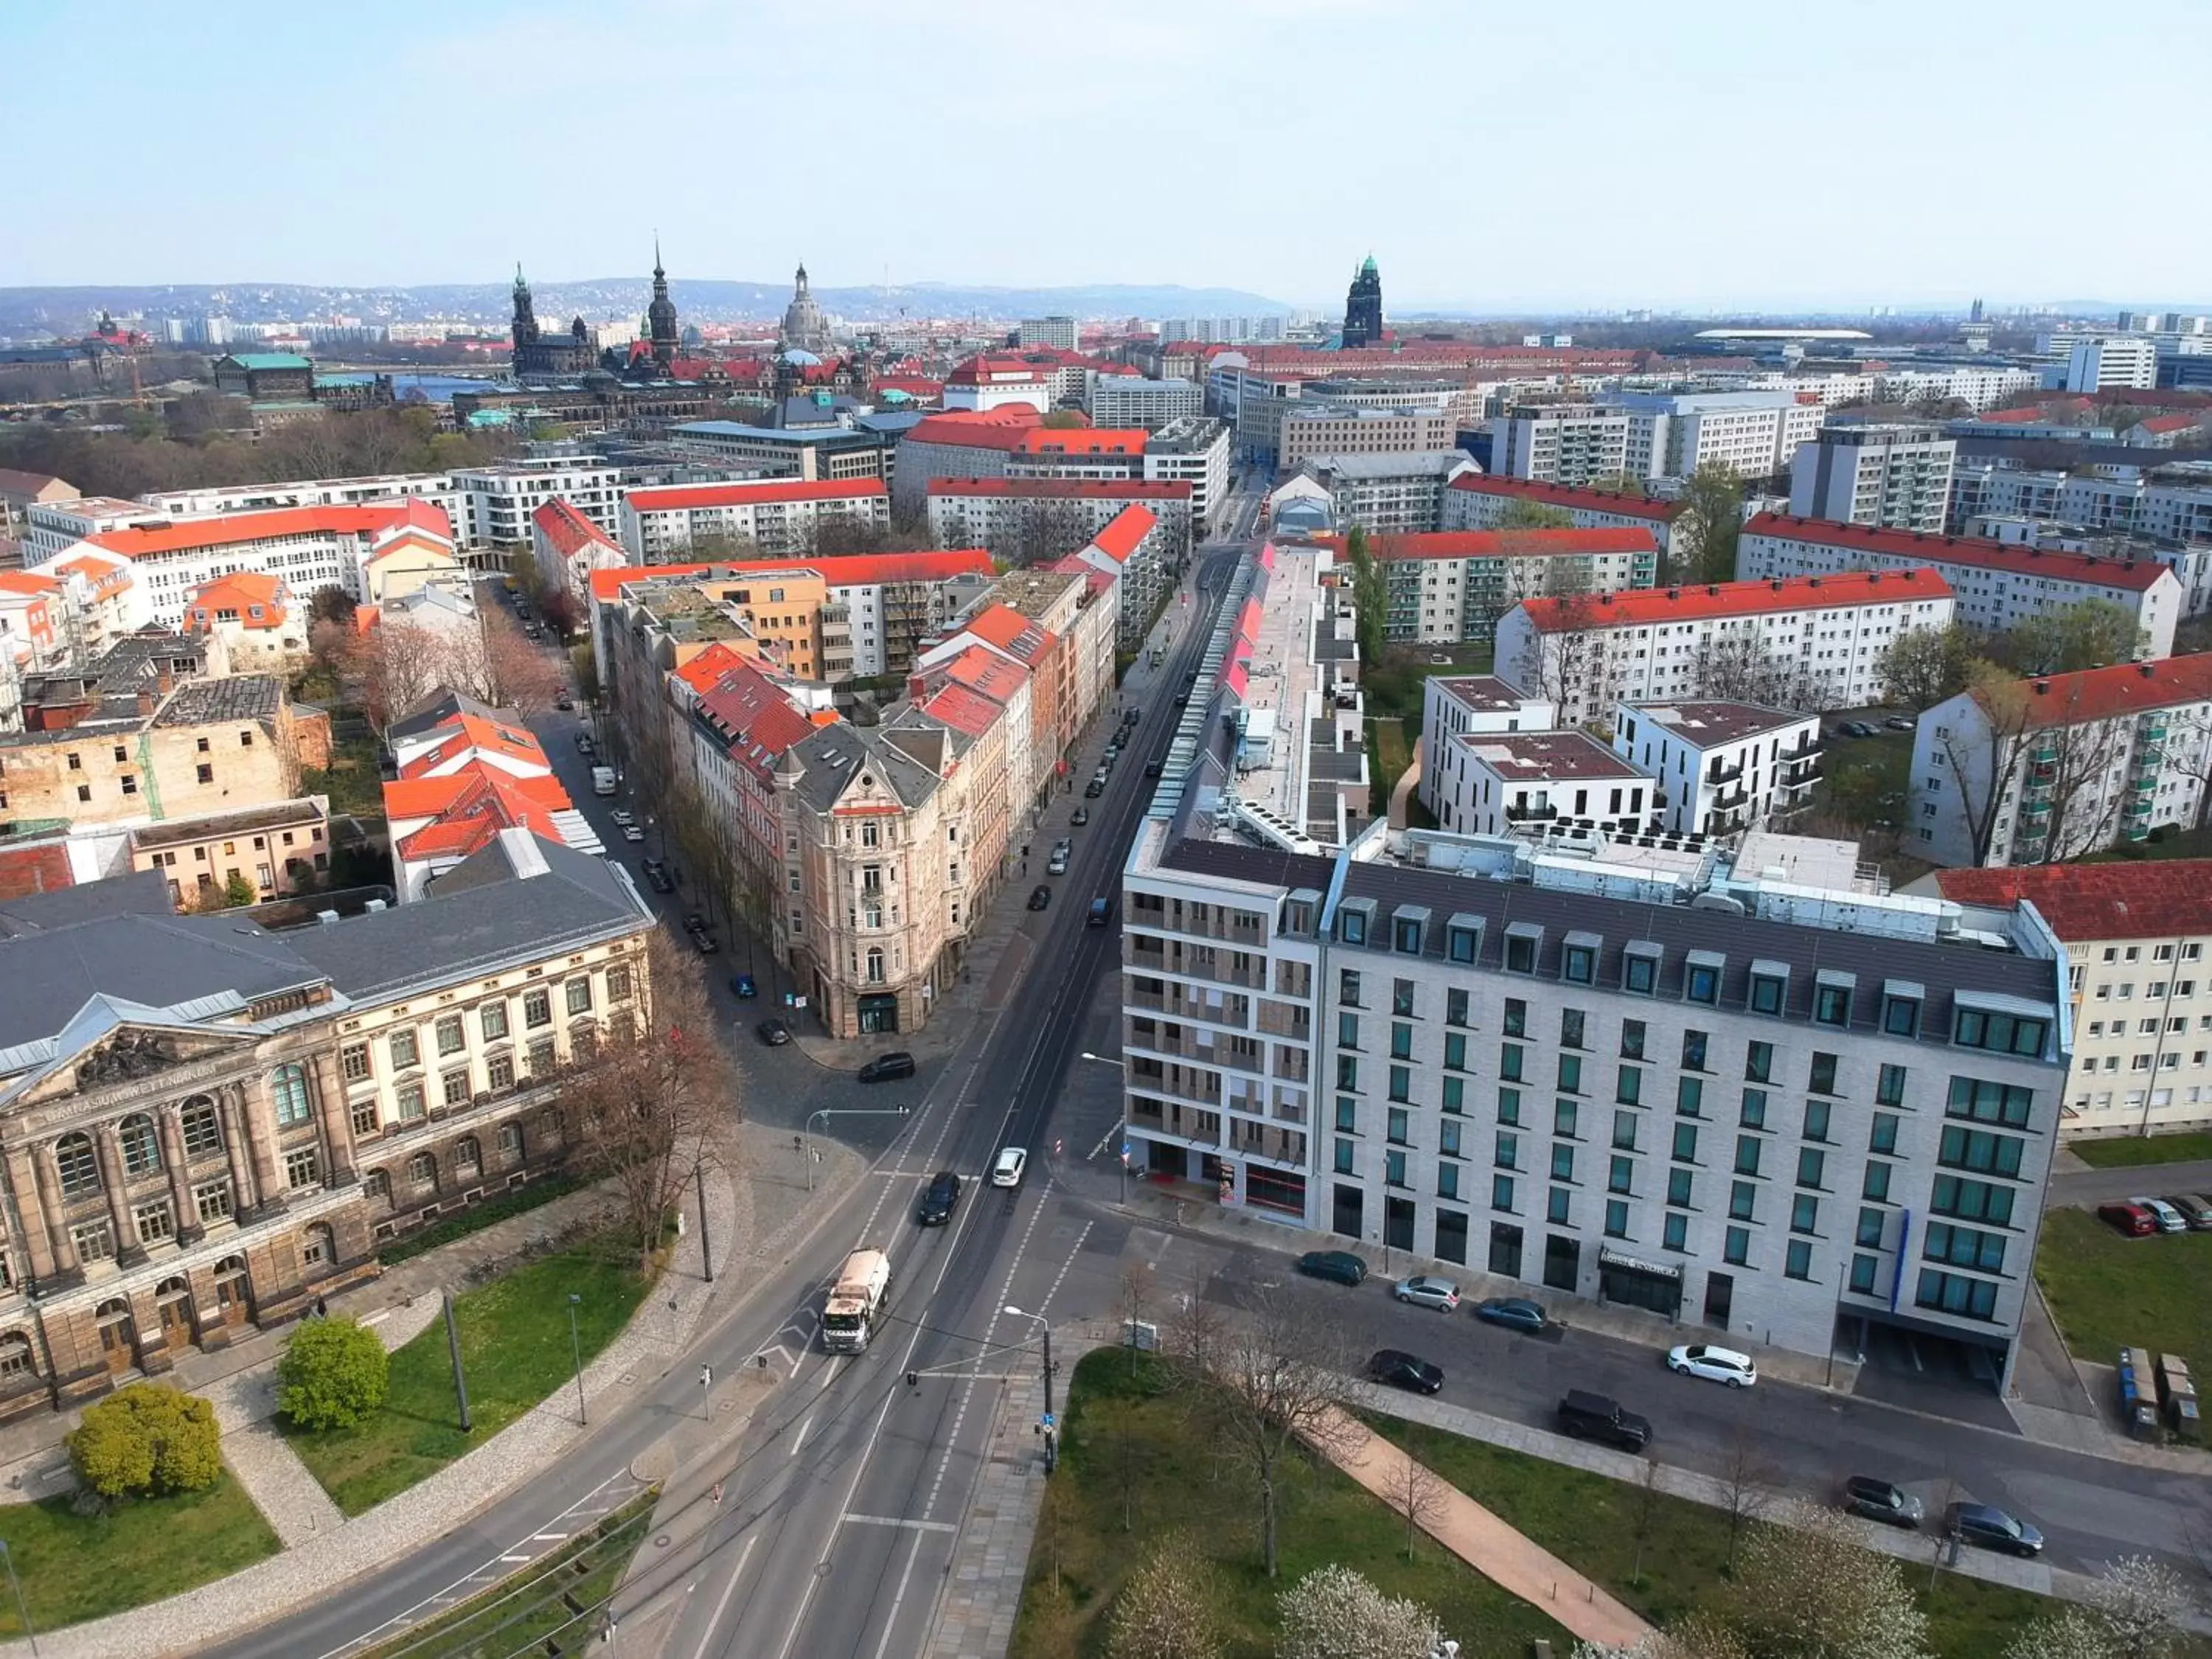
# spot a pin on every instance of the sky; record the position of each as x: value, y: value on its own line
x: 1490, y: 155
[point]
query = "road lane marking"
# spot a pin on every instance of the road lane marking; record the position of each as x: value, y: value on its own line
x: 540, y: 1537
x: 898, y: 1596
x: 737, y: 1572
x: 516, y: 1557
x: 799, y: 1439
x: 897, y: 1521
x: 859, y: 1467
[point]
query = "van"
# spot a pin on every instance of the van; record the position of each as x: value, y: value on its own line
x: 603, y: 780
x: 1101, y: 912
x: 1588, y: 1416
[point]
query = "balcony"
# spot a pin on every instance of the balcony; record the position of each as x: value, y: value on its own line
x: 1731, y: 799
x: 1531, y: 814
x: 1725, y: 773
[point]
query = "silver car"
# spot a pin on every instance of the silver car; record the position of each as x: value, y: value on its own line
x: 1426, y: 1291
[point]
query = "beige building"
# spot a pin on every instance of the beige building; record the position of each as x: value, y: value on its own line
x: 2136, y: 937
x: 1316, y: 430
x: 279, y: 848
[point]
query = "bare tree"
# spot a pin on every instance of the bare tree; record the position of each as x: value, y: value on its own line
x: 387, y: 670
x: 1418, y: 1492
x: 1168, y: 1607
x: 1560, y: 662
x: 1740, y: 668
x: 1644, y: 1517
x: 1333, y: 1613
x: 1747, y: 1474
x: 1811, y: 1591
x: 647, y: 1099
x: 510, y: 672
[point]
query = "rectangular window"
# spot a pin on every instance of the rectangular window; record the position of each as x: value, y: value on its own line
x: 153, y: 1222
x: 1624, y: 1131
x: 1883, y: 1136
x: 1766, y: 994
x: 1631, y: 1039
x: 1702, y: 983
x: 1401, y: 1083
x: 1747, y: 1154
x: 1693, y: 1051
x: 1564, y: 1114
x: 410, y: 1097
x: 1971, y: 1200
x: 1628, y: 1085
x: 1675, y: 1235
x: 499, y: 1072
x: 536, y: 1008
x: 1501, y: 1193
x: 95, y: 1240
x: 1679, y: 1185
x: 1393, y: 1169
x: 1754, y: 1109
x: 1620, y: 1174
x: 1816, y: 1120
x: 1965, y: 1246
x: 1455, y: 1091
x: 1832, y: 1005
x: 1448, y: 1140
x: 1455, y: 1051
x: 1558, y: 1206
x: 1743, y: 1202
x: 1901, y: 1017
x: 404, y: 1050
x: 1509, y: 1061
x: 1877, y: 1184
x: 1578, y: 964
x: 1455, y: 1007
x: 1864, y: 1269
x: 212, y: 1200
x: 1759, y: 1062
x: 1509, y: 1106
x: 302, y: 1168
x: 1735, y: 1247
x: 1401, y: 1041
x: 1689, y: 1097
x: 1570, y: 1028
x: 1344, y: 1149
x: 1347, y: 987
x: 454, y: 1086
x: 1401, y: 997
x: 1570, y: 1074
x: 1509, y: 1150
x: 451, y: 1038
x: 1797, y: 1261
x: 1517, y: 1018
x: 618, y: 981
x: 1979, y: 1151
x: 1519, y: 954
x: 1685, y: 1143
x: 1889, y: 1086
x: 353, y: 1062
x: 1563, y: 1161
x: 1812, y: 1166
x: 1639, y: 972
x: 1821, y: 1076
x: 1989, y: 1103
x: 1347, y: 1030
x: 1447, y: 1180
x: 492, y: 1016
x: 1871, y: 1224
x: 1347, y: 1071
x: 1460, y: 943
x: 1953, y: 1293
x: 1395, y: 1127
x: 1804, y: 1214
x: 2003, y: 1034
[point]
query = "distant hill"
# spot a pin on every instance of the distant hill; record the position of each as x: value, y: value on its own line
x: 69, y: 311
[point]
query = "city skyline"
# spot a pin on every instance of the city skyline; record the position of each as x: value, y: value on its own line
x: 1762, y: 167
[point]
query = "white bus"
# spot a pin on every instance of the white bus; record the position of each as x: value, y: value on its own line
x: 856, y: 1301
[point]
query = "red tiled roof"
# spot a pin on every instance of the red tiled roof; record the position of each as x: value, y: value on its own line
x: 477, y: 803
x: 996, y: 429
x: 568, y: 530
x: 704, y: 671
x: 1552, y: 495
x: 2152, y: 899
x: 228, y: 529
x: 28, y: 583
x: 2128, y: 687
x: 1123, y: 533
x: 984, y: 671
x: 1653, y: 605
x: 2011, y: 416
x: 757, y: 722
x: 962, y: 709
x: 244, y: 592
x: 1508, y: 543
x: 680, y: 498
x: 2172, y: 423
x: 1084, y: 441
x: 473, y: 731
x: 1135, y: 490
x: 843, y: 570
x: 1011, y: 631
x: 2136, y: 574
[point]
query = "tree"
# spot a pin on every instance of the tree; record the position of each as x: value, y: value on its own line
x: 2071, y: 1632
x: 1644, y: 1517
x: 1333, y: 1613
x: 529, y: 580
x: 2093, y: 633
x: 147, y: 1439
x: 501, y: 666
x: 1060, y: 420
x: 1557, y: 662
x: 1747, y: 1473
x: 1699, y: 1636
x: 1923, y: 666
x: 1704, y: 538
x: 1809, y: 1590
x: 237, y: 891
x: 1168, y: 1608
x: 1136, y: 1301
x: 1370, y: 597
x: 333, y: 1374
x: 1740, y: 668
x: 2145, y: 1606
x: 1417, y: 1492
x: 1618, y: 484
x: 655, y: 1085
x: 332, y: 604
x: 2033, y: 738
x: 561, y: 613
x: 385, y: 670
x: 1534, y: 515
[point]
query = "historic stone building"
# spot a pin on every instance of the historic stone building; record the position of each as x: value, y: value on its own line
x: 805, y: 328
x: 1362, y: 307
x: 541, y: 356
x: 205, y: 1124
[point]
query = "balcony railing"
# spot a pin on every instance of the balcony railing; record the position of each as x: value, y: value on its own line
x: 1531, y: 814
x: 1725, y: 773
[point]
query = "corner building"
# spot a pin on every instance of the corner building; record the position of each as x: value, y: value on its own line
x: 1761, y: 1108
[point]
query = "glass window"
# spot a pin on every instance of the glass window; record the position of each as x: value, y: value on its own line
x: 1679, y: 1185
x: 1570, y: 1074
x: 1747, y: 1154
x: 1347, y: 987
x: 1871, y: 1224
x: 1676, y: 1233
x: 2003, y: 1034
x: 1812, y: 1167
x: 1832, y: 1005
x: 1972, y: 1201
x: 1402, y: 998
x: 1558, y: 1206
x: 492, y: 1016
x: 1624, y: 1131
x: 1347, y: 1071
x: 1351, y: 925
x: 1877, y: 1184
x: 1798, y: 1261
x: 1401, y: 1041
x: 1448, y: 1140
x: 1396, y: 1126
x: 1455, y: 1093
x: 1519, y: 954
x: 1953, y: 1293
x: 1864, y: 1269
x: 1693, y: 1051
x: 1501, y: 1193
x: 1759, y: 1062
x: 1447, y: 1181
x: 1570, y: 1028
x: 1564, y: 1115
x: 1816, y: 1120
x: 1989, y: 1103
x: 288, y: 1085
x: 1405, y: 935
x: 1735, y: 1248
x: 1883, y: 1137
x: 1702, y: 983
x: 1460, y: 942
x: 1685, y: 1143
x: 536, y: 1008
x: 1455, y: 1007
x: 1889, y: 1086
x: 1616, y: 1219
x: 1517, y: 1018
x: 1347, y: 1114
x: 404, y: 1050
x: 1509, y: 1061
x: 1743, y: 1202
x: 1509, y: 1105
x: 1631, y: 1039
x: 1578, y: 964
x: 1766, y: 994
x: 1401, y: 1083
x: 1347, y: 1030
x: 1620, y: 1175
x: 1509, y: 1150
x: 1628, y: 1085
x: 1456, y: 1051
x: 1822, y: 1077
x: 353, y: 1062
x: 1640, y: 974
x: 1965, y: 1246
x: 1754, y: 1109
x: 1393, y: 1169
x: 1901, y: 1017
x: 1344, y: 1154
x: 1563, y: 1161
x: 1689, y: 1096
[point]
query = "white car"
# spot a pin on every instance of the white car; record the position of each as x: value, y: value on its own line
x: 1714, y: 1364
x: 2169, y: 1219
x: 1426, y: 1291
x: 633, y: 832
x: 1007, y: 1171
x: 621, y: 815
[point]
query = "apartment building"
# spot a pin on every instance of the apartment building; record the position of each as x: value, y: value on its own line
x: 2063, y: 764
x: 1499, y: 783
x: 1456, y: 705
x: 497, y: 500
x: 2173, y: 505
x: 1721, y: 768
x: 1119, y: 565
x: 778, y: 515
x: 1315, y: 429
x: 1569, y: 444
x: 955, y: 444
x: 1812, y: 642
x: 1756, y: 434
x: 1119, y: 400
x: 1386, y: 494
x: 1450, y: 585
x: 1892, y: 475
x: 258, y: 623
x: 1996, y: 586
x: 1059, y: 332
x: 824, y: 454
x: 1193, y: 450
x: 279, y: 848
x: 211, y: 1123
x: 2134, y: 936
x: 1038, y: 519
x: 1797, y: 1113
x: 436, y: 488
x: 2111, y: 363
x: 1480, y: 500
x: 567, y: 547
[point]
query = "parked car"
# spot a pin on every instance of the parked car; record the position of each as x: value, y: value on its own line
x: 1057, y: 865
x: 1007, y: 1171
x: 1878, y: 1500
x: 1182, y: 700
x: 741, y: 985
x: 584, y: 744
x: 884, y: 1067
x: 564, y: 703
x: 1516, y: 1313
x: 1153, y: 768
x: 1093, y: 789
x: 1901, y: 723
x: 1402, y: 1370
x: 656, y: 876
x: 1101, y: 913
x: 1079, y: 816
x: 1340, y: 1267
x: 938, y: 1200
x: 2132, y: 1220
x: 1427, y: 1290
x: 705, y: 944
x: 694, y: 923
x: 2169, y: 1219
x: 1992, y: 1529
x: 1039, y: 896
x: 1587, y: 1416
x: 1714, y: 1364
x: 2197, y: 1208
x: 633, y: 832
x: 773, y: 1032
x: 620, y: 815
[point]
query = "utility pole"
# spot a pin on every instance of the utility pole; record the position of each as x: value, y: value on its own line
x: 454, y: 1347
x: 576, y: 1348
x: 706, y: 1251
x: 1050, y: 1423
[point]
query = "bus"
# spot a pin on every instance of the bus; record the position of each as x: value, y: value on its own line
x: 856, y: 1301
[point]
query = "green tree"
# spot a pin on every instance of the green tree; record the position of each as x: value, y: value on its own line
x: 1618, y: 484
x: 238, y: 892
x: 1922, y: 666
x: 1371, y: 594
x: 147, y: 1439
x: 333, y: 1374
x: 2093, y: 633
x: 1534, y: 515
x: 1703, y: 543
x: 1061, y: 419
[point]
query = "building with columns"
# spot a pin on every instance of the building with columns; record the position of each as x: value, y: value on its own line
x: 208, y: 1122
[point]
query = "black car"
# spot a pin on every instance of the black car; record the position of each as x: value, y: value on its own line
x: 1339, y: 1266
x: 1039, y: 896
x: 1093, y: 789
x: 1992, y: 1529
x: 1402, y: 1370
x: 705, y: 944
x: 564, y: 703
x: 884, y: 1067
x: 1079, y: 818
x: 656, y: 876
x: 773, y: 1032
x: 1516, y: 1313
x: 1182, y: 700
x: 1153, y: 770
x: 941, y: 1198
x: 1878, y: 1500
x: 1587, y: 1416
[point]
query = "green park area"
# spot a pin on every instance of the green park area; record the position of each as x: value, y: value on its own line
x: 2132, y: 1151
x: 2109, y: 1293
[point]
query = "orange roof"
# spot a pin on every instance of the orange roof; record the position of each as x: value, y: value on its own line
x: 568, y: 530
x: 989, y: 673
x: 27, y: 583
x: 1635, y: 606
x: 976, y: 428
x: 483, y: 801
x: 1552, y: 495
x: 1011, y: 631
x: 755, y: 720
x: 682, y: 498
x: 228, y: 529
x: 472, y: 732
x: 1132, y: 489
x: 1084, y: 441
x: 962, y: 709
x: 843, y: 570
x: 2150, y: 900
x: 1125, y: 532
x: 2128, y: 687
x: 257, y: 598
x: 2090, y: 569
x: 705, y: 669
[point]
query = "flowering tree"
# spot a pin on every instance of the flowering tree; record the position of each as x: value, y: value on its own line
x: 1168, y: 1608
x: 1333, y: 1613
x: 1809, y: 1590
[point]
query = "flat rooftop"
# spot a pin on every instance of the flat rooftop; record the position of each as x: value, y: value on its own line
x: 1536, y: 756
x: 1703, y: 725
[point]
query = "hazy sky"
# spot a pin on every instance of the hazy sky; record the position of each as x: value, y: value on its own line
x: 1489, y: 153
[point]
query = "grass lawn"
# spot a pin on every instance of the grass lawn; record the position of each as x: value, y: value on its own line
x: 2125, y: 1152
x: 1586, y: 1521
x: 1862, y: 780
x: 2108, y: 1292
x: 514, y: 1352
x: 1124, y: 1441
x: 76, y: 1566
x: 352, y: 782
x: 1395, y: 689
x: 550, y: 1601
x: 1388, y: 755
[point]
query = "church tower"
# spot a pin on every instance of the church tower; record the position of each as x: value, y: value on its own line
x: 660, y: 317
x: 526, y: 315
x: 1362, y: 307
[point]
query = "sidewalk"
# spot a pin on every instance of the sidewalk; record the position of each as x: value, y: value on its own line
x: 755, y: 1220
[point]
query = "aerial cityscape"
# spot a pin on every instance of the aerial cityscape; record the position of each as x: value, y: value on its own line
x: 928, y: 903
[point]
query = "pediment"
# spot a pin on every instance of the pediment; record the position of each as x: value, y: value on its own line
x: 130, y: 1051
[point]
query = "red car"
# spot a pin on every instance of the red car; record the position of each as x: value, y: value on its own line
x: 2132, y: 1220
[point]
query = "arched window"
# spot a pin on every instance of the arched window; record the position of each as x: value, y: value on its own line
x: 142, y: 1147
x: 511, y: 1143
x: 468, y: 1155
x: 377, y: 1184
x: 17, y: 1360
x: 422, y: 1169
x: 318, y: 1246
x: 78, y: 1165
x: 203, y: 1127
x: 288, y: 1084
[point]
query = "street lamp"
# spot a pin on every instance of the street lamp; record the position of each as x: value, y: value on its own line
x: 1121, y: 1129
x: 576, y: 1348
x: 1050, y: 1426
x: 807, y: 1143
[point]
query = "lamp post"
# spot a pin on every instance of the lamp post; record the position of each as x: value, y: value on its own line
x: 706, y: 1250
x: 807, y: 1144
x: 576, y: 1349
x: 1121, y: 1129
x: 22, y: 1608
x: 1050, y: 1426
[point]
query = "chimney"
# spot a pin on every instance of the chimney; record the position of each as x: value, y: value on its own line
x: 2042, y: 687
x: 2147, y: 670
x: 145, y: 699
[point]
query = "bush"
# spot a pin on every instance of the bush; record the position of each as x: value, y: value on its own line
x: 333, y: 1374
x: 147, y: 1438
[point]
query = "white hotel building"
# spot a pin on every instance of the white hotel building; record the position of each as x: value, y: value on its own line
x: 659, y: 526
